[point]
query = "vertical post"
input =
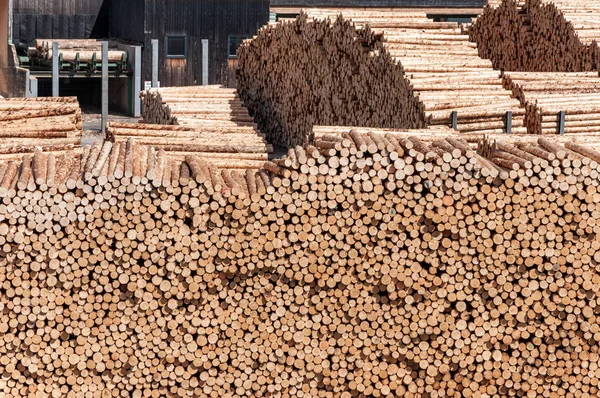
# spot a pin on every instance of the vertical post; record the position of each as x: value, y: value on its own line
x: 104, y: 85
x: 508, y: 122
x: 204, y: 62
x: 137, y: 81
x: 561, y: 122
x: 27, y: 84
x: 55, y: 70
x: 154, y: 62
x: 33, y: 87
x: 10, y: 20
x: 454, y: 120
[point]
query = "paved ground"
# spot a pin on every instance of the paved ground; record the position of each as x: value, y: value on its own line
x: 92, y: 124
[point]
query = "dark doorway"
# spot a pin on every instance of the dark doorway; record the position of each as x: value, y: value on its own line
x: 87, y: 90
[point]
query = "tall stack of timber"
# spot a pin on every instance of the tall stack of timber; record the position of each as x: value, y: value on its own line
x: 239, y: 148
x: 208, y: 107
x: 545, y: 95
x: 52, y: 124
x: 370, y: 264
x: 374, y: 69
x: 503, y: 35
x: 540, y: 35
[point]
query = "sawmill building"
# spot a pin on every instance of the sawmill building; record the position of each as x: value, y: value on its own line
x: 191, y: 42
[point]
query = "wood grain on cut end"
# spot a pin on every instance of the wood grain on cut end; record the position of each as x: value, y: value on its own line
x: 372, y: 263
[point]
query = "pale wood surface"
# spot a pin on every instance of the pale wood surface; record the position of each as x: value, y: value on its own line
x: 373, y: 263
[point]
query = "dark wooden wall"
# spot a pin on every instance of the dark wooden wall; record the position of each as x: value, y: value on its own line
x: 140, y: 21
x: 200, y: 19
x: 59, y: 19
x: 381, y: 3
x: 127, y: 19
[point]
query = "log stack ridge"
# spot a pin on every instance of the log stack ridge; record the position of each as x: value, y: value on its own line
x: 539, y: 35
x: 374, y: 69
x: 231, y: 147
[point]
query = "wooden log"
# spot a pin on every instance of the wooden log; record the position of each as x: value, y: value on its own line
x: 182, y: 278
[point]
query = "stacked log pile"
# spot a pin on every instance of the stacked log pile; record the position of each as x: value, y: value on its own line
x: 540, y: 35
x: 374, y: 69
x: 503, y: 35
x: 369, y: 264
x: 53, y: 124
x: 234, y: 148
x: 545, y: 95
x: 84, y: 50
x: 207, y: 107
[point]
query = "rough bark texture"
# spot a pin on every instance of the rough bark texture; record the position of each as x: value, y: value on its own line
x: 369, y: 68
x: 539, y: 35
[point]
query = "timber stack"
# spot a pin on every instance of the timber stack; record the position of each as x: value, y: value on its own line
x: 208, y: 107
x: 375, y: 69
x: 366, y: 68
x: 503, y: 33
x: 545, y: 95
x: 539, y: 35
x: 372, y: 263
x: 76, y: 50
x: 51, y: 124
x: 238, y: 148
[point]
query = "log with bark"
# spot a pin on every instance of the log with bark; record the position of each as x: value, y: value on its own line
x: 546, y: 94
x: 83, y: 50
x: 539, y: 35
x: 195, y: 106
x: 40, y: 118
x: 377, y: 69
x: 224, y: 143
x: 372, y: 263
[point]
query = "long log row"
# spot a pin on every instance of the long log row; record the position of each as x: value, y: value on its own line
x: 211, y: 107
x: 83, y: 50
x: 218, y: 146
x: 374, y: 69
x: 539, y: 35
x: 369, y: 264
x: 43, y: 118
x: 46, y: 166
x: 545, y: 95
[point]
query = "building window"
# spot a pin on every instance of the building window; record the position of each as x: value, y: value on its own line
x: 233, y: 43
x: 176, y: 47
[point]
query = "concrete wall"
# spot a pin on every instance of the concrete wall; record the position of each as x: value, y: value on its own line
x: 119, y: 95
x: 4, y: 78
x: 13, y: 79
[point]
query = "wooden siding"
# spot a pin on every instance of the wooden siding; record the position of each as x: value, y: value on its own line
x: 127, y: 20
x: 212, y: 20
x: 140, y: 21
x: 381, y: 3
x: 67, y: 7
x: 59, y: 19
